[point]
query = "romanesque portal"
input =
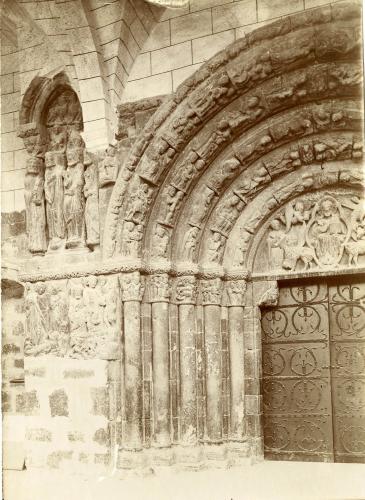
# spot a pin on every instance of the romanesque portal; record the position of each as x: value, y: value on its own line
x: 153, y: 263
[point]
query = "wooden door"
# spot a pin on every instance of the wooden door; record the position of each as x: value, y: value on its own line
x: 314, y: 373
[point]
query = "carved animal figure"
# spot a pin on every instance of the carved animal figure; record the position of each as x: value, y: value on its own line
x: 294, y: 254
x: 354, y: 249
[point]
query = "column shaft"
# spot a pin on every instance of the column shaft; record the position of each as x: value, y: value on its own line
x: 236, y: 354
x: 133, y: 375
x: 213, y: 370
x: 161, y: 389
x: 187, y: 329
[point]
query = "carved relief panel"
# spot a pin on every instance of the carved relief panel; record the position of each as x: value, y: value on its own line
x: 321, y: 230
x: 75, y: 318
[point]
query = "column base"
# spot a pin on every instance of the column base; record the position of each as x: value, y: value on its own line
x: 131, y: 459
x: 190, y: 457
x: 160, y: 456
x: 216, y: 452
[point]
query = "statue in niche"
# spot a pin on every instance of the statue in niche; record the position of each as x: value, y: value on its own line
x: 54, y: 194
x: 108, y: 168
x: 190, y: 241
x: 132, y: 236
x: 91, y: 194
x: 160, y: 241
x: 35, y: 205
x: 74, y: 201
x: 58, y: 138
x: 327, y: 231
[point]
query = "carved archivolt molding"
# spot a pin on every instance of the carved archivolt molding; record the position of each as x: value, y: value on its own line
x: 246, y: 74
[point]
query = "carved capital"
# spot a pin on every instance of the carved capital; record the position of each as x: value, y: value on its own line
x: 132, y: 286
x: 236, y: 291
x: 159, y: 288
x: 186, y: 290
x: 211, y: 291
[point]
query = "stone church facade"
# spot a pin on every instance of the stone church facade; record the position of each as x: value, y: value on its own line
x: 184, y: 283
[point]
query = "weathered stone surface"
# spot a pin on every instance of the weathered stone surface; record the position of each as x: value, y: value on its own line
x: 58, y: 403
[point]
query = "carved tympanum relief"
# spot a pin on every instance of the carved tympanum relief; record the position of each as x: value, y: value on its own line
x: 76, y: 319
x: 321, y: 230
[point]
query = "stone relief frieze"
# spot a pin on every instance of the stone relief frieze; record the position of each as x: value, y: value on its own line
x: 77, y: 318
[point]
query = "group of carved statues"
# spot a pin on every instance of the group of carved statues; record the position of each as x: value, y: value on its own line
x: 317, y: 233
x: 62, y: 180
x: 77, y: 319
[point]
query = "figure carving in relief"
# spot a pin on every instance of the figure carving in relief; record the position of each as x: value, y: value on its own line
x: 275, y: 241
x: 109, y: 304
x: 211, y: 291
x: 132, y: 285
x: 37, y: 319
x: 139, y: 203
x: 226, y: 171
x: 236, y: 292
x: 57, y: 111
x: 35, y: 205
x: 327, y: 231
x: 159, y: 287
x: 173, y: 198
x: 58, y: 135
x: 94, y: 304
x: 160, y: 241
x: 108, y: 168
x: 59, y: 324
x: 82, y: 346
x: 215, y: 247
x: 201, y: 205
x: 74, y: 202
x: 54, y: 193
x: 228, y: 213
x: 356, y: 244
x: 190, y: 242
x: 132, y: 236
x: 91, y: 194
x: 183, y: 176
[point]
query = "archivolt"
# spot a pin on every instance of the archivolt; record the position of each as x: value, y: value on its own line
x: 312, y: 56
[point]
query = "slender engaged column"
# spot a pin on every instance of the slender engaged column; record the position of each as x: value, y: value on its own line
x: 159, y: 290
x: 186, y: 291
x: 211, y: 298
x: 236, y: 297
x: 132, y: 292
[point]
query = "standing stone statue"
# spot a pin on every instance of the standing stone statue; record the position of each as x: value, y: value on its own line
x: 54, y: 193
x: 91, y: 193
x: 108, y: 168
x: 74, y: 200
x: 35, y: 205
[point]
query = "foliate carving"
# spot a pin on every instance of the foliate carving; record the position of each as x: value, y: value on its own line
x: 132, y: 286
x: 76, y: 319
x: 186, y: 290
x: 91, y: 193
x: 159, y: 288
x: 108, y: 167
x: 236, y: 291
x: 211, y: 291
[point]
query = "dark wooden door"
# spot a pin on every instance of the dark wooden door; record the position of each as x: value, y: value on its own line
x: 314, y: 373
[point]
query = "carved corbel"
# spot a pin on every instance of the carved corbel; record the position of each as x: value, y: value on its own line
x: 267, y: 294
